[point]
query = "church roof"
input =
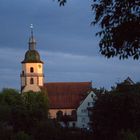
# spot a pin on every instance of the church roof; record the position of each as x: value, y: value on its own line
x: 32, y: 56
x: 67, y: 95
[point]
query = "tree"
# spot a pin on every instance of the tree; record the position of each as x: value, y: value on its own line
x: 62, y: 2
x: 22, y: 136
x: 33, y: 110
x: 117, y: 111
x: 37, y: 104
x: 9, y: 99
x: 119, y: 21
x: 20, y: 114
x: 128, y: 135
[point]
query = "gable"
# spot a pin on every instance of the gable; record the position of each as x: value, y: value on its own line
x: 88, y: 101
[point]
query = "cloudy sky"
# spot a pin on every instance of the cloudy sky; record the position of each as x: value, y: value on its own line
x: 65, y: 40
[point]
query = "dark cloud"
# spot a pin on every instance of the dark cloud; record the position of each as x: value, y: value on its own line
x: 65, y: 40
x: 103, y: 72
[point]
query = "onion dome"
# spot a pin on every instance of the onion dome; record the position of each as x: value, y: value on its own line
x: 32, y: 56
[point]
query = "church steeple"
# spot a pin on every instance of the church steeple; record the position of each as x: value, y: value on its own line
x: 32, y: 42
x: 32, y: 76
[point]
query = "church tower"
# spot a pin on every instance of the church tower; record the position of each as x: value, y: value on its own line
x: 32, y: 77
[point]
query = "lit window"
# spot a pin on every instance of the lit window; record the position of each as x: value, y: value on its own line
x: 31, y: 69
x: 31, y: 81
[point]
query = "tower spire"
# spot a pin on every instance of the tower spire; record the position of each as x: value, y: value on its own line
x: 32, y: 42
x: 31, y: 27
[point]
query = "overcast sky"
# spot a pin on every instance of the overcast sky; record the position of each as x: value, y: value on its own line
x: 65, y: 41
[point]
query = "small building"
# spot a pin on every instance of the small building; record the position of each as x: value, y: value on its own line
x: 84, y: 111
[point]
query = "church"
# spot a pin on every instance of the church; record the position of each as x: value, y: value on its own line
x: 71, y: 101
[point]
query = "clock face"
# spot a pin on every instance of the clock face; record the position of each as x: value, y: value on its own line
x: 39, y: 66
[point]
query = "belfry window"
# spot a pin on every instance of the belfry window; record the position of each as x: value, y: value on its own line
x: 23, y: 72
x: 31, y: 69
x: 31, y: 81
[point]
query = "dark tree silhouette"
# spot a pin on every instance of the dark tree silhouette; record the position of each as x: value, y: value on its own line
x: 62, y: 2
x: 119, y: 21
x: 116, y: 112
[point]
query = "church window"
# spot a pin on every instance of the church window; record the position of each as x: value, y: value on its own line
x: 31, y: 69
x: 23, y: 72
x: 59, y: 115
x: 31, y: 81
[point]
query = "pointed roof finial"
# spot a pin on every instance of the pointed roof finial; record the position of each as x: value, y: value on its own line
x: 31, y: 27
x: 32, y: 42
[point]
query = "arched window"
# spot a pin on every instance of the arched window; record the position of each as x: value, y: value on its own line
x: 31, y: 69
x: 59, y: 115
x: 23, y: 72
x: 31, y: 81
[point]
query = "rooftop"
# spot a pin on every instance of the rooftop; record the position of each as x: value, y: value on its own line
x: 67, y: 95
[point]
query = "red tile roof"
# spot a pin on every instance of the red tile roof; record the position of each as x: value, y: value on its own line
x: 67, y: 95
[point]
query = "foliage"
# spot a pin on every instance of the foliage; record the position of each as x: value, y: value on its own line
x: 37, y: 104
x: 116, y: 111
x: 22, y: 136
x: 25, y: 117
x: 128, y: 135
x: 47, y: 130
x: 21, y: 113
x: 62, y: 2
x: 119, y: 21
x: 9, y: 97
x: 100, y: 91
